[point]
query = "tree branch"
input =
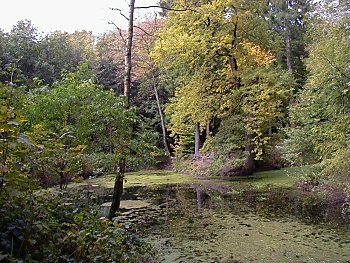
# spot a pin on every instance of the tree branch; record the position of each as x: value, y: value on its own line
x: 166, y: 8
x: 340, y: 71
x: 144, y: 31
x: 120, y: 12
x: 120, y: 32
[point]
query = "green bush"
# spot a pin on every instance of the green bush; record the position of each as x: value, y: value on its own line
x: 41, y: 227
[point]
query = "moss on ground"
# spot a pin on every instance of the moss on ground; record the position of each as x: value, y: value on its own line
x: 149, y: 178
x: 141, y: 178
x: 275, y: 178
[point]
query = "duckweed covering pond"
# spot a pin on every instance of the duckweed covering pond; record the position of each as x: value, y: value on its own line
x: 201, y: 225
x: 142, y: 178
x: 260, y: 218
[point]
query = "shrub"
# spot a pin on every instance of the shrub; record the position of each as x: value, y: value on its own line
x: 42, y: 227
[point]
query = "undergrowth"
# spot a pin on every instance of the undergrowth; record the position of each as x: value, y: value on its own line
x: 42, y: 227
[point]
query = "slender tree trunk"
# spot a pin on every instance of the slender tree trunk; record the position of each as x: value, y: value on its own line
x: 165, y: 142
x: 288, y: 50
x: 289, y: 64
x: 119, y: 178
x: 207, y: 130
x: 117, y: 193
x: 287, y: 37
x: 249, y: 165
x: 197, y: 140
x: 127, y: 77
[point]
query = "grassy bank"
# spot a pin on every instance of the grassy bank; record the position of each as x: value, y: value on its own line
x: 141, y: 178
x: 274, y: 178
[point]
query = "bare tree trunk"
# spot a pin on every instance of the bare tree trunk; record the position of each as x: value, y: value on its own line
x: 207, y: 130
x: 249, y: 165
x: 119, y: 178
x: 287, y: 39
x: 61, y: 180
x: 288, y: 50
x: 165, y: 142
x: 197, y: 140
x: 127, y: 77
x: 118, y: 188
x: 117, y: 193
x: 289, y: 64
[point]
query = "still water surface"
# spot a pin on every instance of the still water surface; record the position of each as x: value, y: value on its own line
x: 197, y: 224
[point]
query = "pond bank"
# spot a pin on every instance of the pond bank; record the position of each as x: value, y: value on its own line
x: 266, y: 180
x: 157, y: 177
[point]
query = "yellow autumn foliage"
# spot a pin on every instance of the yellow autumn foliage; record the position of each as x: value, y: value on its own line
x: 259, y: 54
x: 221, y: 69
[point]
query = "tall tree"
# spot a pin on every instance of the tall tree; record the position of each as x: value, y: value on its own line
x: 84, y: 42
x: 146, y: 72
x: 213, y: 47
x: 119, y: 179
x: 77, y: 114
x: 321, y: 114
x: 21, y: 53
x: 288, y: 18
x: 128, y: 51
x: 57, y: 54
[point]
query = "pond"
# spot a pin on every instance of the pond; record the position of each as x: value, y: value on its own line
x: 199, y: 224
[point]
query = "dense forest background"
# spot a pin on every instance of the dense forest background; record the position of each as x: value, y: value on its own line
x: 246, y: 85
x: 224, y: 87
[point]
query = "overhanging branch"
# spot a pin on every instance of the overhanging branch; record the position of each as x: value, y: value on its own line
x: 120, y: 12
x: 144, y: 31
x: 120, y: 32
x: 166, y: 8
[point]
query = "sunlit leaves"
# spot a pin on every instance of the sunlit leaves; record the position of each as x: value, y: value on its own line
x: 77, y: 116
x: 220, y: 55
x: 13, y: 145
x: 260, y: 56
x: 266, y: 94
x: 321, y: 114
